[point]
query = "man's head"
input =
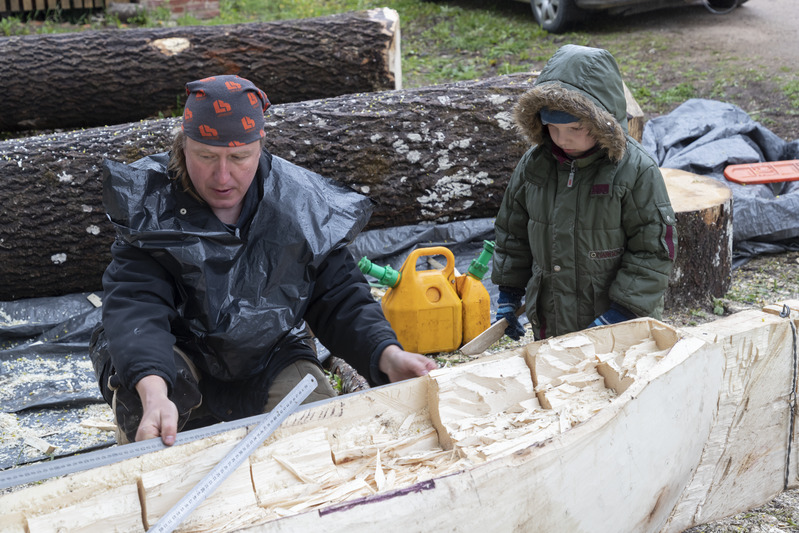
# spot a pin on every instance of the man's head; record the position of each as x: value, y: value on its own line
x: 215, y: 155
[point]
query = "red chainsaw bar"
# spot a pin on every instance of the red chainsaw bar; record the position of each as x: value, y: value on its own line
x: 769, y: 172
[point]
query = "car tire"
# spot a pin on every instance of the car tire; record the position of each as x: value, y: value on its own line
x: 554, y: 16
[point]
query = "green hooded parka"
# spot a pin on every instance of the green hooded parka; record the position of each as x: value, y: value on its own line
x: 580, y: 234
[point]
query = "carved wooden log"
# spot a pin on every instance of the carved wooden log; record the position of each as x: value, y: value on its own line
x: 95, y: 78
x: 521, y: 436
x: 703, y: 269
x: 536, y: 428
x: 432, y: 154
x: 751, y: 451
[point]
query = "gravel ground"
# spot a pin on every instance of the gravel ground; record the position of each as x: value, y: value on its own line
x: 778, y: 516
x: 764, y: 280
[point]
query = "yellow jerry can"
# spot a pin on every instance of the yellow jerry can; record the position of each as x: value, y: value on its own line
x: 423, y: 307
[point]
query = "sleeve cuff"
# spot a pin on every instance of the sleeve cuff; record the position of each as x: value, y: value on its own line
x: 377, y: 376
x: 626, y: 313
x: 514, y: 291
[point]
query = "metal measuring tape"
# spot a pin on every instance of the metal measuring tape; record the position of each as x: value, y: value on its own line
x: 267, y: 424
x: 235, y: 457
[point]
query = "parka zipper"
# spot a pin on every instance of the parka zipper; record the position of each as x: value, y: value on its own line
x: 576, y: 216
x: 572, y: 170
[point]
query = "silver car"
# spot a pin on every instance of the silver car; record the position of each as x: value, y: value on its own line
x: 556, y: 16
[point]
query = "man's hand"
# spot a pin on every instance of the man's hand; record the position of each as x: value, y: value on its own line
x: 159, y: 415
x: 398, y: 364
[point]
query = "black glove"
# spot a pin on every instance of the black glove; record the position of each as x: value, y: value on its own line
x: 509, y: 301
x: 614, y: 315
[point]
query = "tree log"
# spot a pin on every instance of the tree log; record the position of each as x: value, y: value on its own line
x: 94, y: 78
x: 519, y: 449
x: 703, y: 269
x: 351, y: 380
x: 432, y: 154
x: 635, y: 121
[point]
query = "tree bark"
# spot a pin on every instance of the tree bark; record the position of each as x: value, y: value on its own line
x: 54, y: 236
x: 94, y: 78
x: 703, y: 269
x: 351, y: 380
x: 432, y: 154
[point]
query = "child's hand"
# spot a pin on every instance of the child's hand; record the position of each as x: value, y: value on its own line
x: 614, y: 315
x: 507, y: 304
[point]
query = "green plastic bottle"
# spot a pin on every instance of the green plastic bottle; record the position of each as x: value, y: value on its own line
x: 476, y: 301
x: 385, y: 275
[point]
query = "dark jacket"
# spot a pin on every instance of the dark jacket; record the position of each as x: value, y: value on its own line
x: 578, y: 235
x: 235, y: 297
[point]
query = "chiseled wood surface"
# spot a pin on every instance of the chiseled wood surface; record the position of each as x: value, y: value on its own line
x: 631, y: 427
x: 743, y: 464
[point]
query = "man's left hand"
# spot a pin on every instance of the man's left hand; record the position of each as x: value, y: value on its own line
x: 398, y: 364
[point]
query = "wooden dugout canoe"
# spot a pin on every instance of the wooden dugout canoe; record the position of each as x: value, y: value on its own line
x: 634, y: 427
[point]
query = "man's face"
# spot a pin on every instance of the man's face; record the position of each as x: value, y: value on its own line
x: 573, y: 138
x: 221, y: 175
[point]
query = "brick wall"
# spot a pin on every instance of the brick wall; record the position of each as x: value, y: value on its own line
x: 201, y: 9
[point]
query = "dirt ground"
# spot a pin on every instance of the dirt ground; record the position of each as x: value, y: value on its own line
x: 760, y: 33
x: 748, y: 57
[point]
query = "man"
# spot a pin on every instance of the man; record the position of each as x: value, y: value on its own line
x: 224, y: 255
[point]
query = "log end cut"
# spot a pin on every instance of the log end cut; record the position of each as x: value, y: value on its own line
x: 703, y: 268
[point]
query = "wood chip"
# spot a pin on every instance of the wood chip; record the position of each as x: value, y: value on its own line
x: 40, y: 444
x: 98, y: 423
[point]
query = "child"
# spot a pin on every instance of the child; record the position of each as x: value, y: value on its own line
x: 585, y: 230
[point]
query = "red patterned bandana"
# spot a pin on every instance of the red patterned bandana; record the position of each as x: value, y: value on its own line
x: 224, y: 111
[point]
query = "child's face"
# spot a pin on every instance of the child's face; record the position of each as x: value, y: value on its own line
x: 572, y: 138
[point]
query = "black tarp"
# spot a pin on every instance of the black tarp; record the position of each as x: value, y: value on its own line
x: 47, y: 386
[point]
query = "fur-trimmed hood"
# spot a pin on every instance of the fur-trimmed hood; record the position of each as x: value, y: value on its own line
x: 586, y: 83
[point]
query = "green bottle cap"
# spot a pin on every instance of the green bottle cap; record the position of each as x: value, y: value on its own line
x: 385, y: 275
x: 479, y: 266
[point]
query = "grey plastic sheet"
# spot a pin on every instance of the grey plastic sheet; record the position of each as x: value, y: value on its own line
x: 705, y: 136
